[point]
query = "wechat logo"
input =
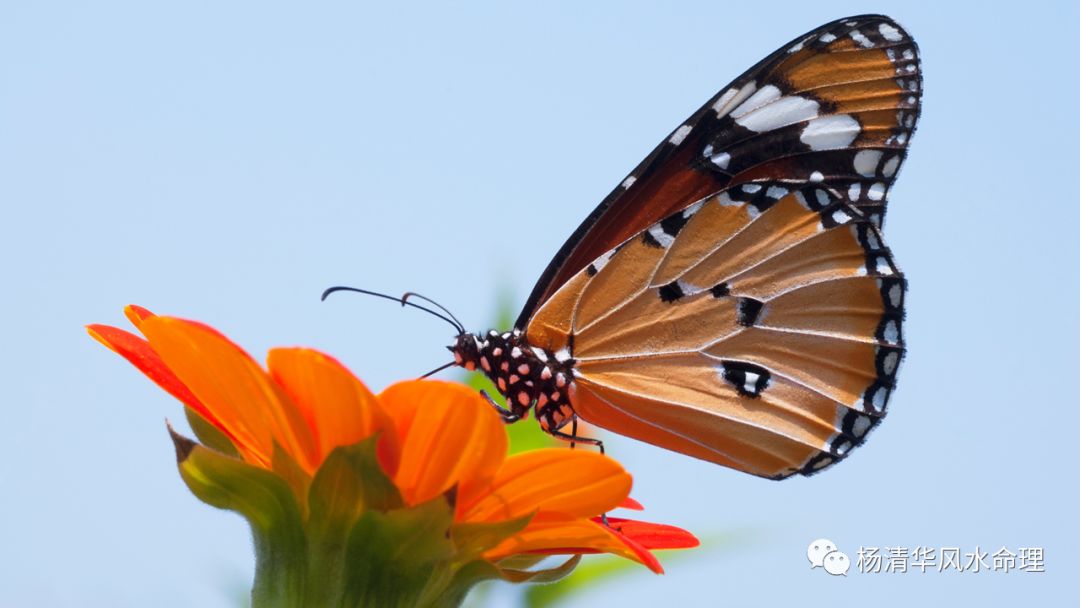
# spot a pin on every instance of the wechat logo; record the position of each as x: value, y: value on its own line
x: 823, y: 553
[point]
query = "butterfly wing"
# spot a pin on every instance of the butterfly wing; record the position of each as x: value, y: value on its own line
x: 759, y: 329
x: 835, y: 106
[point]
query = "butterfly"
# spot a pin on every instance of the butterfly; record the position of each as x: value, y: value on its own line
x: 733, y: 298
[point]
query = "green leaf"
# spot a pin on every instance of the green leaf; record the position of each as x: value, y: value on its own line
x: 209, y: 435
x: 400, y: 558
x: 269, y: 506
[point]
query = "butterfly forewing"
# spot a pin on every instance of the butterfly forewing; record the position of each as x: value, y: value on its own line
x: 834, y: 107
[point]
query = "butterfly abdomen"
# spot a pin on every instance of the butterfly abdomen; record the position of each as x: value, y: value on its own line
x: 526, y: 375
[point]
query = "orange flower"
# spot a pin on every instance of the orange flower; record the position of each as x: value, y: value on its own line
x: 437, y: 441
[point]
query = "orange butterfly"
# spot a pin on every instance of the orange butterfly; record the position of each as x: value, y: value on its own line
x: 733, y: 298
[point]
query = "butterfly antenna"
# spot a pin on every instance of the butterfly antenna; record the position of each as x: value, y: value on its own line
x: 437, y: 370
x: 412, y: 294
x: 404, y: 302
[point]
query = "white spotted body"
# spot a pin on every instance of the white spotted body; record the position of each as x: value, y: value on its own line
x: 528, y: 376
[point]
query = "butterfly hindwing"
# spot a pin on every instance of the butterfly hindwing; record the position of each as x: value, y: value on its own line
x: 835, y: 107
x: 759, y: 328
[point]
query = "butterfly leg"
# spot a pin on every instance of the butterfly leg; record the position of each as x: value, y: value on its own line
x: 574, y: 439
x: 507, y: 416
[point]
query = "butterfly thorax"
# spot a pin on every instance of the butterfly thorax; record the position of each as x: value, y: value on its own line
x: 526, y: 375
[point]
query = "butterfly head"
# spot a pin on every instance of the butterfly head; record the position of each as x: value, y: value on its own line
x: 466, y: 349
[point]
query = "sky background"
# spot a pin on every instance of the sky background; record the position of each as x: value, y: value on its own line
x: 228, y: 161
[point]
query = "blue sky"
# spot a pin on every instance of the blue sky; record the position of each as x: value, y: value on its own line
x: 226, y: 162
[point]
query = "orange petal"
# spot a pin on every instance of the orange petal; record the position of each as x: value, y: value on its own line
x: 573, y: 482
x: 571, y: 536
x: 136, y: 314
x: 449, y: 436
x: 233, y: 386
x: 652, y: 536
x: 630, y: 503
x: 339, y: 409
x: 138, y: 352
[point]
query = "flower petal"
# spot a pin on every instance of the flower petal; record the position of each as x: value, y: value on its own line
x: 449, y: 436
x: 569, y: 536
x: 652, y: 536
x: 139, y: 353
x: 249, y: 405
x: 572, y: 482
x: 338, y: 408
x: 136, y: 314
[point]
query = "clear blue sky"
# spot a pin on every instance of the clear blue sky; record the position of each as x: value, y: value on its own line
x: 227, y: 161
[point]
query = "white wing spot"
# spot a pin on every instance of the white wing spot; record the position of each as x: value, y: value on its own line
x: 862, y: 424
x: 876, y: 192
x: 830, y: 132
x: 872, y: 241
x: 890, y: 33
x: 629, y: 181
x: 776, y: 113
x: 721, y: 160
x: 692, y: 209
x: 657, y: 232
x: 776, y: 192
x: 894, y: 295
x: 767, y: 94
x: 680, y: 134
x: 860, y: 38
x: 733, y: 97
x: 866, y: 162
x: 853, y: 191
x: 888, y: 365
x: 892, y: 332
x: 602, y: 261
x: 817, y: 176
x: 822, y: 197
x: 890, y: 166
x: 827, y: 38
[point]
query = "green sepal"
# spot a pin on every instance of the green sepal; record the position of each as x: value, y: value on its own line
x: 547, y: 575
x: 522, y: 561
x: 349, y: 481
x: 401, y: 557
x: 295, y: 477
x: 209, y: 435
x: 266, y: 502
x: 472, y: 539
